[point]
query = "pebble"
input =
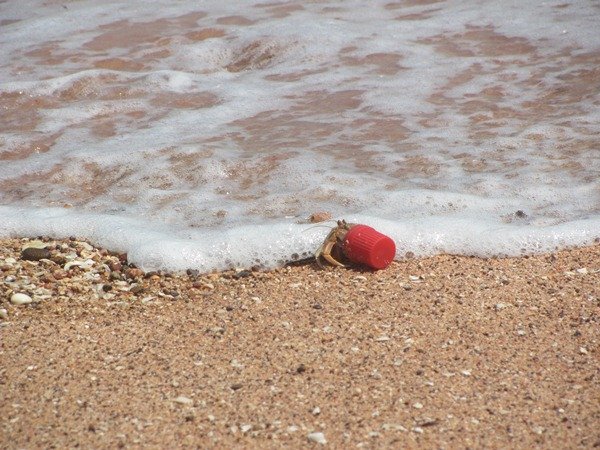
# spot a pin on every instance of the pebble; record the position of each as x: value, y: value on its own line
x: 245, y: 428
x: 192, y: 272
x: 183, y: 400
x: 393, y: 426
x: 203, y: 285
x: 20, y: 299
x: 317, y: 437
x: 35, y: 254
x: 242, y: 274
x: 134, y: 273
x: 320, y: 216
x: 3, y: 314
x: 83, y: 264
x: 115, y: 266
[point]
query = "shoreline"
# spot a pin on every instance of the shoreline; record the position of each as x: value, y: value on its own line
x: 439, y: 351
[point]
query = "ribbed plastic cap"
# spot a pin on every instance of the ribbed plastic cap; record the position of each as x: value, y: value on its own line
x: 365, y: 245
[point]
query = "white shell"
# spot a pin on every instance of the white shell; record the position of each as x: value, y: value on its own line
x: 20, y: 299
x: 317, y: 437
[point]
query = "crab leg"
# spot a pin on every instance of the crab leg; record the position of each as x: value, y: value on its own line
x: 327, y: 254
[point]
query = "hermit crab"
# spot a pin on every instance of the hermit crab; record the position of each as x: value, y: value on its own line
x: 358, y: 244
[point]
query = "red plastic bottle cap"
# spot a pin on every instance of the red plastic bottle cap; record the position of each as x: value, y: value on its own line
x: 365, y: 245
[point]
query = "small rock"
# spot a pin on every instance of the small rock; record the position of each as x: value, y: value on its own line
x: 35, y: 254
x: 242, y: 274
x: 20, y: 299
x: 317, y: 437
x: 83, y: 264
x: 428, y: 422
x: 183, y: 400
x: 418, y: 405
x: 582, y: 271
x: 115, y: 276
x: 236, y: 386
x: 393, y: 427
x: 3, y: 314
x: 316, y: 411
x: 500, y: 306
x: 583, y: 350
x: 245, y: 428
x: 86, y: 246
x: 320, y: 216
x: 134, y: 273
x: 521, y: 214
x: 115, y: 266
x: 58, y: 259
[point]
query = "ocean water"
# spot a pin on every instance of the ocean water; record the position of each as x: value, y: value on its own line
x: 202, y: 134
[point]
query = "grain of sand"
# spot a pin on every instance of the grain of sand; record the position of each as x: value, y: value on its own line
x: 441, y: 352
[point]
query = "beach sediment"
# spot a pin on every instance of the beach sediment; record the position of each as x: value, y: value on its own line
x: 436, y: 352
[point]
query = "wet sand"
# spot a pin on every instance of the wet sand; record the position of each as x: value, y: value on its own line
x: 442, y: 352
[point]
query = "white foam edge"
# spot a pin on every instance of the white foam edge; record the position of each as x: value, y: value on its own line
x: 155, y: 246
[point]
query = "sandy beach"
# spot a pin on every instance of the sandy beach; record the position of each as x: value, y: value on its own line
x: 442, y: 352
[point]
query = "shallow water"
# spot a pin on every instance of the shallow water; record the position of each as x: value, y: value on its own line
x: 204, y: 134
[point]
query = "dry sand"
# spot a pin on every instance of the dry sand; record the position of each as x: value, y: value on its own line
x: 443, y: 352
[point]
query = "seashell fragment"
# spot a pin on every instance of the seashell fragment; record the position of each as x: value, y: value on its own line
x: 20, y: 299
